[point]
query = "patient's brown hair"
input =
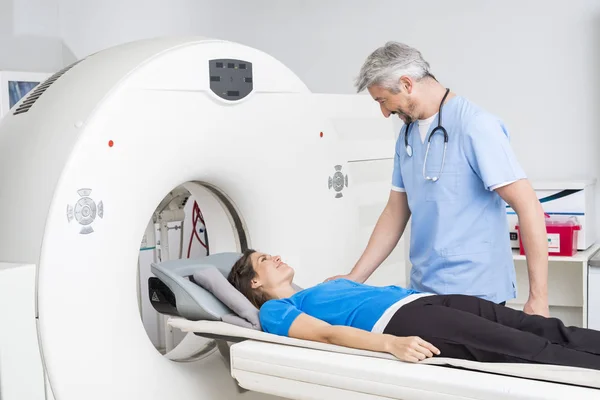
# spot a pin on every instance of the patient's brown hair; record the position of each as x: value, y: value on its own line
x: 241, y: 276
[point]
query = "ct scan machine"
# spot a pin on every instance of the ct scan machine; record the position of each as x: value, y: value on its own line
x: 88, y: 155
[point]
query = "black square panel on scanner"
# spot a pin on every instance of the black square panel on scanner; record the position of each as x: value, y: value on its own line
x: 230, y: 79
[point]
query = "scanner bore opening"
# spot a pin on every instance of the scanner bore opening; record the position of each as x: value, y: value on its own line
x: 217, y: 224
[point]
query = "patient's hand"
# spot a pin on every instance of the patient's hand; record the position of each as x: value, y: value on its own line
x: 411, y: 348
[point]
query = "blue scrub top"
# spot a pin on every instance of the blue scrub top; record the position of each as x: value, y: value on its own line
x: 459, y: 231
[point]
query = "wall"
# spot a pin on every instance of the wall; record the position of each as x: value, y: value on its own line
x: 29, y: 39
x: 89, y: 26
x: 6, y: 24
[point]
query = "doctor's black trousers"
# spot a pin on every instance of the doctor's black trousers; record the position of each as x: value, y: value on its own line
x: 471, y: 328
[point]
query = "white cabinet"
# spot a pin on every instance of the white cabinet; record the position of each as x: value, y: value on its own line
x: 594, y: 293
x: 568, y: 291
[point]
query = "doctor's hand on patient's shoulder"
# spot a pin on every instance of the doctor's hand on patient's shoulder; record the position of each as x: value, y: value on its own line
x: 410, y: 348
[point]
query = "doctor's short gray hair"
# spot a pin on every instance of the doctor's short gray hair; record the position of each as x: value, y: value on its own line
x: 388, y: 63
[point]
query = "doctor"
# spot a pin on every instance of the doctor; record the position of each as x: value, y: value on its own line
x: 453, y: 167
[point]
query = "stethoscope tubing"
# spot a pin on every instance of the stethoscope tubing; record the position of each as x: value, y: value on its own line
x: 439, y: 127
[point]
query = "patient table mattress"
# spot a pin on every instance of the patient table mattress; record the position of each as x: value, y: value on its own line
x: 299, y: 369
x: 299, y: 373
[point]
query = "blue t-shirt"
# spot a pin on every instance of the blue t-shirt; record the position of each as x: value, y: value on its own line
x: 337, y: 302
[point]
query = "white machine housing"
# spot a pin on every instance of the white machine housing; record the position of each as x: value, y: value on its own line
x: 85, y: 160
x: 593, y: 289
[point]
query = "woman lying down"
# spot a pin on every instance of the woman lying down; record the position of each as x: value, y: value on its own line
x: 408, y: 324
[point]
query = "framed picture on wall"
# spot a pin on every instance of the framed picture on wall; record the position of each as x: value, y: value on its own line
x: 14, y: 85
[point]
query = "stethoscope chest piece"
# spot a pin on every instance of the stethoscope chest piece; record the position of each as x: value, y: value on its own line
x: 409, y: 150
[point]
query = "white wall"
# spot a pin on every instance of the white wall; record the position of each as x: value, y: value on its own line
x: 89, y: 26
x: 6, y: 7
x: 29, y: 39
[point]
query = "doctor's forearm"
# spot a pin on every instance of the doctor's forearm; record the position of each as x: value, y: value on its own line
x: 535, y: 242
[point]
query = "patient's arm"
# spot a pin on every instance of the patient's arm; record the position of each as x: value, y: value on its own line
x: 411, y: 349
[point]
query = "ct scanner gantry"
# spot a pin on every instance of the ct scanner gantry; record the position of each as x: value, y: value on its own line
x: 87, y: 156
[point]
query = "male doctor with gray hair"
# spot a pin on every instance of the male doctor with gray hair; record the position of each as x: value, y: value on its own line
x: 454, y: 171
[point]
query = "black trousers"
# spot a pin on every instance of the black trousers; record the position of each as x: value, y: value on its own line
x: 470, y: 328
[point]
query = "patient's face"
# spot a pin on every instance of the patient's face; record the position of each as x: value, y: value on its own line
x: 271, y: 270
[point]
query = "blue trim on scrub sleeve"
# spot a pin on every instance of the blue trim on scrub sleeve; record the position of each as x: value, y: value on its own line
x: 277, y: 316
x: 487, y: 147
x: 397, y: 181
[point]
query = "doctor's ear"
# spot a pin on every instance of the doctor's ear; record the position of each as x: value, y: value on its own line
x: 406, y: 84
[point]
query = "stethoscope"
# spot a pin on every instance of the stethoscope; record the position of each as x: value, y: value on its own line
x: 439, y: 126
